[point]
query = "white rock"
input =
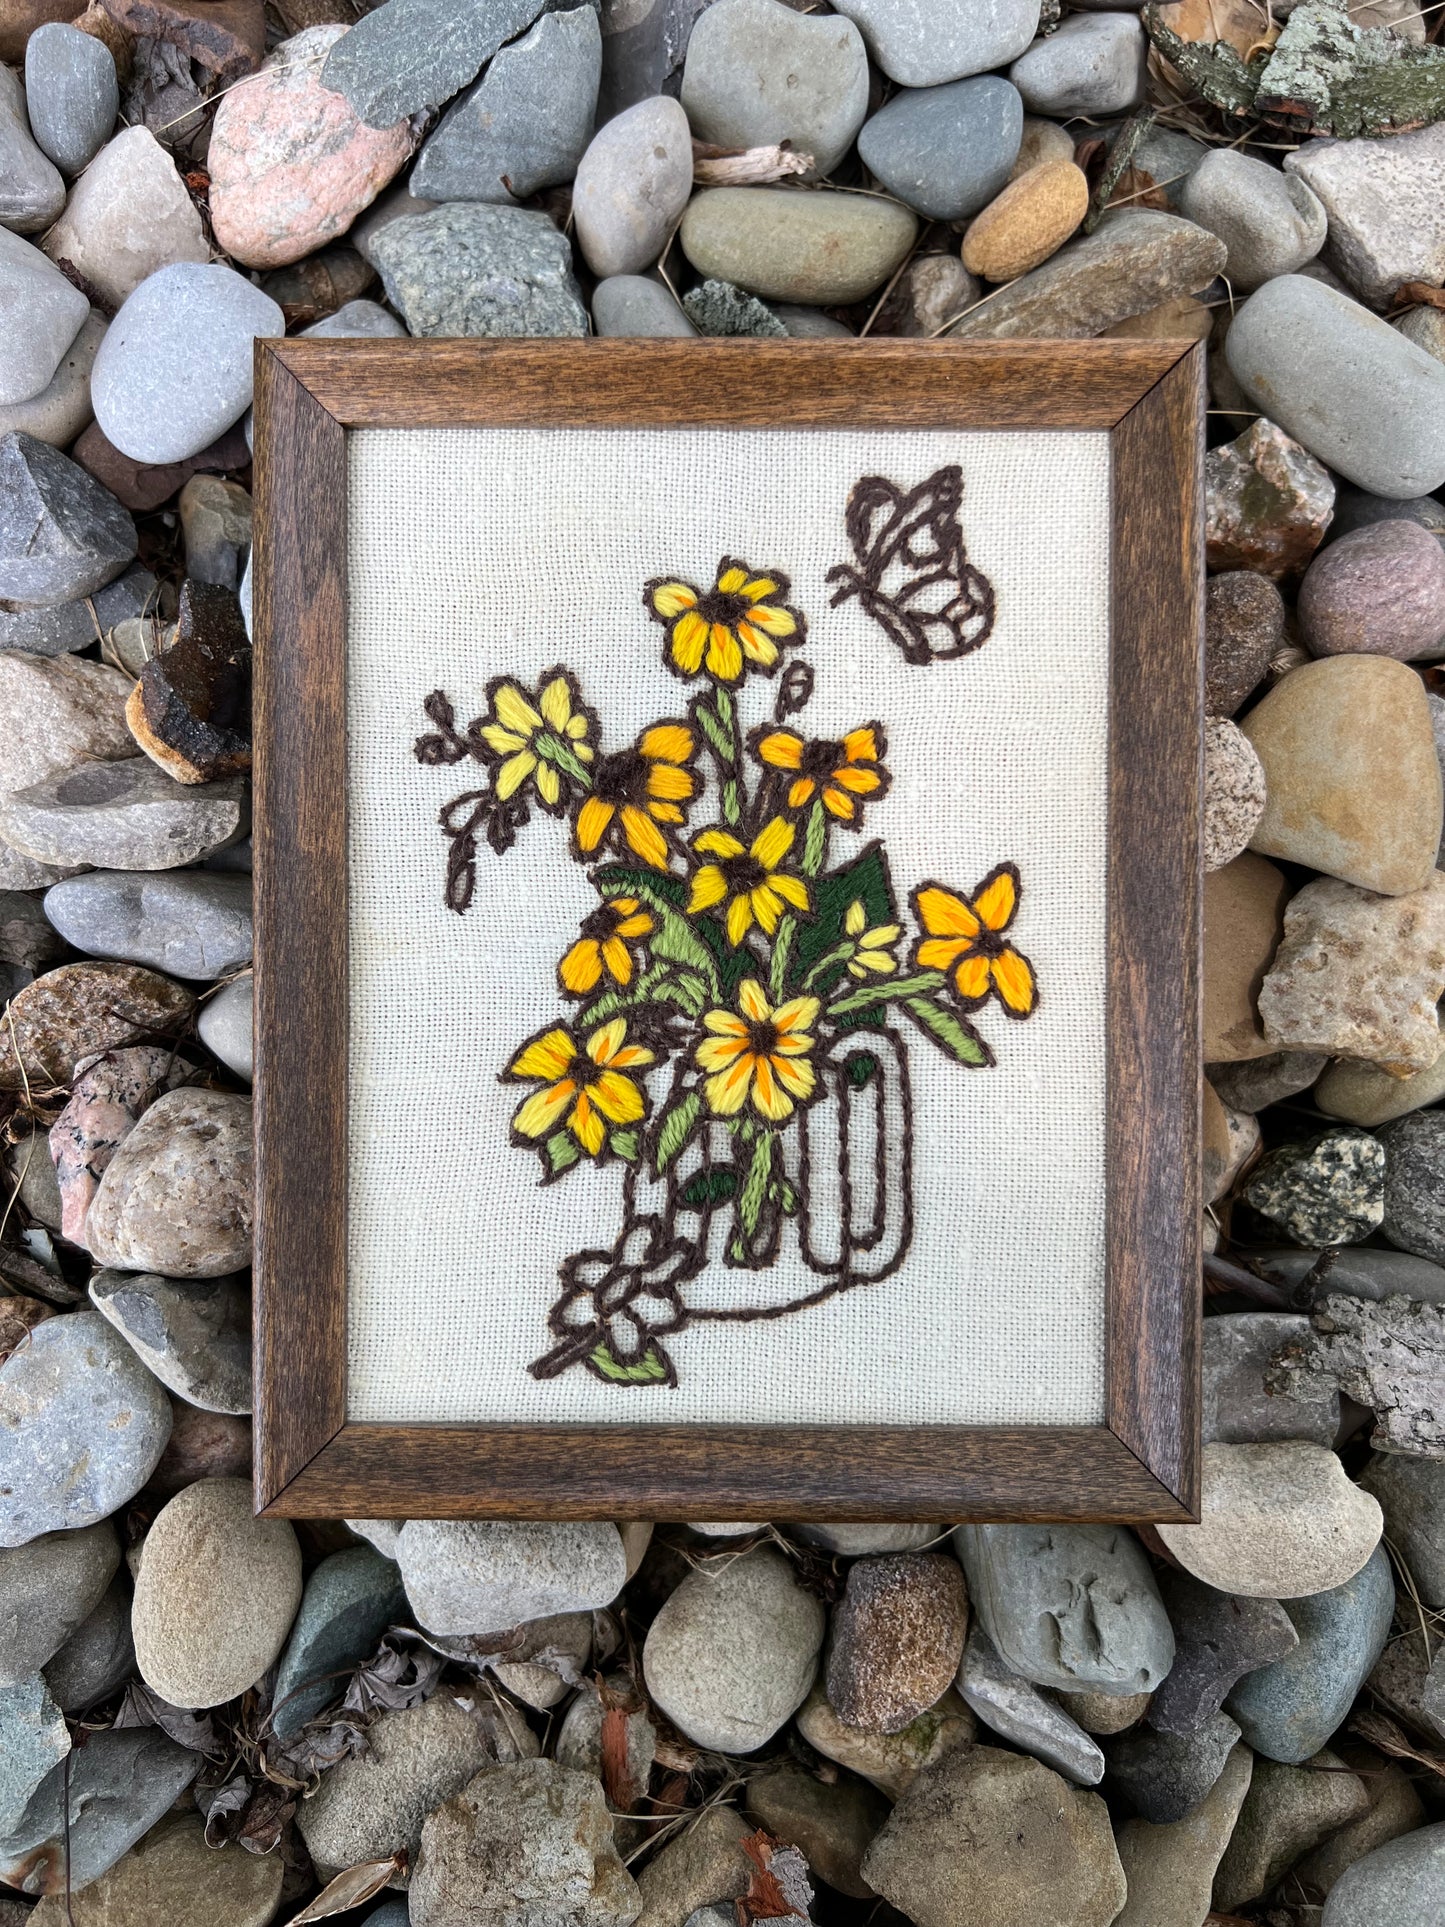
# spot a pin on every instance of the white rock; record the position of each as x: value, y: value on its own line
x: 128, y: 214
x: 225, y: 1025
x: 1385, y: 205
x: 479, y: 1575
x: 61, y: 410
x: 40, y: 315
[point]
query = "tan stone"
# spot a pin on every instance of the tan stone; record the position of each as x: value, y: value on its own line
x: 1366, y: 1094
x: 1359, y: 975
x: 890, y: 1760
x: 1042, y: 141
x: 1243, y: 912
x: 704, y: 1863
x: 1170, y: 1869
x: 831, y: 1823
x: 1181, y: 319
x: 56, y: 712
x: 173, y: 1876
x: 83, y: 1007
x: 1352, y: 778
x: 1287, y: 1811
x: 20, y: 18
x: 128, y: 214
x: 1231, y: 1139
x: 1105, y: 1713
x: 1395, y: 1808
x: 1027, y: 222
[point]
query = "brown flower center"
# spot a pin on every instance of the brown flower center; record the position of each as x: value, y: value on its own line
x: 742, y: 873
x: 820, y: 759
x: 601, y: 923
x: 621, y: 778
x: 763, y: 1038
x: 718, y: 606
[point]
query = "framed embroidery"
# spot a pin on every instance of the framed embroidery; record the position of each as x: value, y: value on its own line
x: 727, y: 931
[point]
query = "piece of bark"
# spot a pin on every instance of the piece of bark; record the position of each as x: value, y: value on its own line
x: 191, y: 709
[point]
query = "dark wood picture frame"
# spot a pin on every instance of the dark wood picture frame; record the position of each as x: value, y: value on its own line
x: 1143, y: 1462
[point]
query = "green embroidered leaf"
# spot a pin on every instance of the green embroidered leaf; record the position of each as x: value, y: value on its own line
x: 648, y: 1371
x: 948, y: 1031
x: 625, y: 1144
x: 676, y: 939
x: 865, y: 880
x: 755, y: 1188
x: 709, y: 1188
x: 870, y: 996
x: 730, y: 965
x: 674, y: 1129
x: 859, y: 1068
x: 561, y: 1152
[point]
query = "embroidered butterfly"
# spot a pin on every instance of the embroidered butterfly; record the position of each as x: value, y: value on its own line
x: 913, y: 575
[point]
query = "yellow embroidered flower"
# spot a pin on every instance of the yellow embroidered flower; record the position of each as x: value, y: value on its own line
x: 874, y: 947
x: 638, y: 788
x: 759, y: 1054
x: 584, y: 1090
x: 532, y: 734
x: 965, y: 935
x: 742, y: 619
x: 606, y: 933
x: 747, y: 879
x: 843, y: 772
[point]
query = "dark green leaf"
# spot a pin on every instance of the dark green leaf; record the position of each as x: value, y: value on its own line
x: 674, y: 1129
x: 860, y: 1066
x: 709, y: 1188
x: 865, y: 880
x: 949, y: 1031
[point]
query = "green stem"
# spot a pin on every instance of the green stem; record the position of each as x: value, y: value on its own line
x: 725, y: 749
x: 815, y: 841
x: 815, y: 848
x: 840, y: 953
x: 755, y: 1186
x: 870, y: 994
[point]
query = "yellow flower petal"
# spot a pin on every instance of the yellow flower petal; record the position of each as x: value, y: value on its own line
x: 577, y: 726
x: 855, y: 922
x: 581, y: 969
x: 592, y: 821
x: 547, y: 1056
x: 555, y: 703
x: 632, y: 1055
x: 717, y: 843
x: 790, y: 888
x: 636, y: 925
x: 549, y: 784
x: 666, y: 812
x: 671, y: 598
x: 513, y: 773
x: 861, y: 745
x: 644, y: 836
x: 940, y: 953
x: 617, y: 1097
x: 503, y: 741
x: 772, y: 843
x: 603, y: 1044
x: 971, y: 979
x: 945, y: 915
x: 716, y: 1053
x: 756, y: 645
x: 861, y: 782
x: 740, y: 919
x: 782, y: 749
x: 668, y: 781
x: 689, y: 639
x: 801, y: 1013
x: 725, y: 1023
x: 666, y: 742
x: 878, y: 960
x: 618, y: 959
x: 1014, y: 981
x: 709, y: 887
x: 724, y: 656
x: 543, y: 1110
x: 998, y: 900
x: 774, y: 622
x: 727, y: 1092
x: 586, y: 1125
x: 768, y: 1095
x: 794, y: 1076
x: 752, y: 1001
x: 759, y: 588
x: 837, y: 804
x: 881, y: 934
x: 731, y: 580
x: 800, y: 792
x: 514, y: 711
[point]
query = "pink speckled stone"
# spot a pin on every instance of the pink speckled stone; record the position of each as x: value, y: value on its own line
x: 291, y: 164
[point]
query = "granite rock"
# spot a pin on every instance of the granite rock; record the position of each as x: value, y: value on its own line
x: 1234, y: 791
x: 192, y: 922
x: 733, y: 1652
x: 1383, y: 201
x: 72, y: 93
x: 470, y: 268
x: 1135, y: 259
x: 891, y: 1761
x: 62, y: 535
x: 193, y: 1333
x: 82, y: 1425
x: 291, y: 164
x: 897, y: 1639
x: 946, y: 151
x: 1379, y: 590
x: 704, y: 1862
x: 1358, y: 974
x: 1092, y: 64
x: 475, y: 1576
x: 1270, y: 221
x: 1164, y: 1776
x: 1287, y: 1811
x: 49, y: 1587
x: 831, y: 1823
x: 1277, y: 1521
x: 128, y: 215
x: 789, y: 244
x: 176, y: 1197
x: 1380, y: 419
x: 173, y: 1875
x: 419, y: 53
x: 1068, y: 1606
x: 631, y: 188
x: 224, y: 1025
x: 1170, y: 1869
x: 923, y: 43
x: 40, y: 316
x: 350, y: 1600
x: 718, y: 308
x: 1415, y: 1184
x: 1288, y: 1709
x: 527, y: 121
x: 1328, y: 1190
x: 1221, y: 1639
x: 127, y: 815
x: 175, y: 368
x: 1243, y: 918
x: 1238, y: 1406
x: 630, y: 304
x: 57, y: 415
x: 985, y: 1837
x: 373, y: 1804
x: 1267, y: 503
x: 1019, y: 1712
x: 31, y: 190
x: 99, y: 1655
x: 120, y: 1783
x: 83, y: 1007
x: 759, y: 73
x: 111, y: 1090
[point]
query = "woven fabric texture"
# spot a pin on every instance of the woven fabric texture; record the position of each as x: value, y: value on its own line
x: 481, y: 553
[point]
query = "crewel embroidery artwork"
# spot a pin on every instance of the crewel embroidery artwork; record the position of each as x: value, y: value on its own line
x: 742, y: 1013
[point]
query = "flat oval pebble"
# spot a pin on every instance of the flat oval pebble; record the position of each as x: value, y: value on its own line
x: 128, y: 215
x: 126, y: 814
x: 921, y: 43
x: 1092, y: 64
x: 190, y: 923
x: 1350, y: 387
x: 1378, y: 591
x: 1028, y: 222
x: 1277, y: 1521
x: 82, y: 1425
x: 31, y: 190
x: 946, y: 151
x: 72, y: 93
x: 175, y: 369
x: 759, y: 73
x: 40, y: 315
x: 793, y: 245
x: 176, y: 1197
x: 479, y: 1576
x: 224, y: 1025
x: 215, y: 1595
x: 1270, y: 221
x: 62, y: 408
x: 630, y: 304
x: 632, y: 184
x: 1402, y: 1881
x: 174, y: 1875
x: 291, y: 163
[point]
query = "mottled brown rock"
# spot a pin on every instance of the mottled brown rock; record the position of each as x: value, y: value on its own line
x: 703, y: 1863
x: 1367, y: 1095
x: 142, y: 486
x: 1105, y: 1713
x: 1243, y: 920
x: 898, y: 1637
x: 1234, y: 792
x: 1030, y: 220
x: 1288, y: 1811
x: 310, y: 290
x: 84, y: 1007
x: 1268, y: 502
x: 18, y: 1318
x: 176, y: 1196
x: 202, y: 1445
x: 831, y: 1823
x: 1353, y: 780
x: 226, y: 37
x: 1380, y: 589
x: 1359, y: 975
x: 1243, y: 631
x: 890, y: 1760
x: 20, y: 18
x: 191, y: 709
x: 1395, y: 1808
x: 111, y: 34
x: 172, y: 1875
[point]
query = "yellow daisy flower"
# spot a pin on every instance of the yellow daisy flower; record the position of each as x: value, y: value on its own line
x: 842, y: 772
x: 522, y: 728
x: 747, y: 879
x: 759, y: 1054
x: 743, y: 619
x: 585, y: 1090
x: 602, y: 946
x: 874, y: 951
x: 635, y: 790
x: 965, y: 935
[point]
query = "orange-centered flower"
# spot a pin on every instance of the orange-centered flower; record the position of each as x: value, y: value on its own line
x: 638, y: 788
x: 759, y: 1054
x: 602, y: 945
x: 966, y: 936
x: 584, y: 1090
x: 747, y: 879
x: 843, y: 771
x: 742, y: 619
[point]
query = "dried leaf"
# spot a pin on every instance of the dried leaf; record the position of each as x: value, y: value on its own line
x: 1411, y: 294
x: 1385, y: 1734
x: 779, y: 1889
x: 617, y: 1781
x: 219, y: 1805
x: 266, y: 1819
x: 393, y: 1679
x: 350, y: 1888
x: 1244, y: 24
x: 316, y: 1748
x: 142, y: 1707
x: 745, y: 166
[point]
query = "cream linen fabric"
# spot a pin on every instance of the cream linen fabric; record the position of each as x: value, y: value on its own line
x: 475, y: 553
